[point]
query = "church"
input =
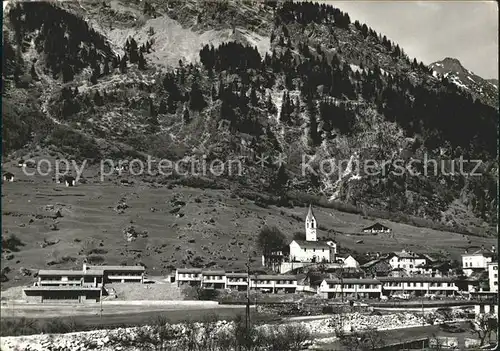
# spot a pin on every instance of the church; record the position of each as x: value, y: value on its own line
x: 312, y: 250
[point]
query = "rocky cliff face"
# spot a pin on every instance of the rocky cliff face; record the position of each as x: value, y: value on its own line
x: 178, y: 79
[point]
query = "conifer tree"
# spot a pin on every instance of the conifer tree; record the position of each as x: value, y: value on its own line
x: 106, y: 68
x: 186, y: 116
x: 98, y: 100
x: 141, y: 62
x: 162, y: 109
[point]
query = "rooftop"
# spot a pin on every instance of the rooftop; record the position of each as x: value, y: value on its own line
x: 276, y: 277
x: 406, y: 254
x: 480, y: 252
x: 236, y: 275
x: 61, y: 272
x: 188, y: 270
x: 220, y: 272
x: 310, y: 212
x: 416, y: 279
x: 61, y: 288
x: 313, y: 244
x: 377, y: 226
x: 371, y: 263
x: 353, y: 281
x: 117, y: 268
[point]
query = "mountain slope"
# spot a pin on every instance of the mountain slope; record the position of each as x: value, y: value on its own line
x: 164, y: 78
x: 480, y: 88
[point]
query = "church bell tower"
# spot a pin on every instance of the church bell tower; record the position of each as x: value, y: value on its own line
x: 311, y: 225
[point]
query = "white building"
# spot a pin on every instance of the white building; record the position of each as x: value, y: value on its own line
x: 312, y: 250
x: 418, y: 286
x: 237, y: 281
x: 350, y: 288
x: 188, y: 276
x: 274, y: 283
x: 376, y: 229
x: 348, y: 262
x: 493, y: 276
x: 476, y: 261
x: 407, y: 260
x: 119, y: 274
x: 213, y: 279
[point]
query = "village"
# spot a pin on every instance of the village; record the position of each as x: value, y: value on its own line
x: 311, y: 275
x: 307, y: 266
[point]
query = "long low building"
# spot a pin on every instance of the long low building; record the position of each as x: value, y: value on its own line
x: 274, y: 283
x: 80, y: 285
x: 388, y: 286
x: 119, y: 274
x: 351, y: 288
x: 219, y: 279
x: 418, y: 285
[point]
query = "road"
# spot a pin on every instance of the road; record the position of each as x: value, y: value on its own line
x: 122, y: 314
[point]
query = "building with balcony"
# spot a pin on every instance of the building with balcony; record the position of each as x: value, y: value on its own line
x: 88, y: 278
x: 188, y: 276
x: 237, y: 281
x: 350, y: 288
x: 213, y: 279
x: 274, y: 283
x: 434, y: 269
x: 477, y: 261
x: 418, y: 285
x: 119, y: 274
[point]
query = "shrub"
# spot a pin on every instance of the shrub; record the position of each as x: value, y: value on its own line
x: 197, y: 293
x: 95, y: 259
x: 11, y: 243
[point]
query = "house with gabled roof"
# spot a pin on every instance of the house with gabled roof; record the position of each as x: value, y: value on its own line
x: 407, y: 260
x: 376, y: 229
x: 477, y: 261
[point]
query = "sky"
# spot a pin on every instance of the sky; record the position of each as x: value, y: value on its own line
x: 432, y: 30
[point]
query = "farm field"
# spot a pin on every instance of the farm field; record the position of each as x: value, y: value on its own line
x: 173, y: 227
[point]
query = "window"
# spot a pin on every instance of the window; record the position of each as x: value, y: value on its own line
x: 304, y: 250
x: 495, y: 283
x: 314, y: 250
x: 495, y: 268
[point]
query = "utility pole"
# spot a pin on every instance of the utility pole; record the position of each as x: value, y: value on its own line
x: 423, y: 321
x: 247, y: 310
x: 100, y: 301
x: 342, y: 282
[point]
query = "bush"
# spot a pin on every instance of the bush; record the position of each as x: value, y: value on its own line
x: 75, y: 143
x: 197, y: 293
x: 95, y: 259
x: 12, y: 243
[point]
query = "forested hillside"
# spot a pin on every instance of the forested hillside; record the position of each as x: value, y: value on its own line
x: 328, y: 88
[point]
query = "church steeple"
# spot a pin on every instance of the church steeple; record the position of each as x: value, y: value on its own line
x: 311, y: 225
